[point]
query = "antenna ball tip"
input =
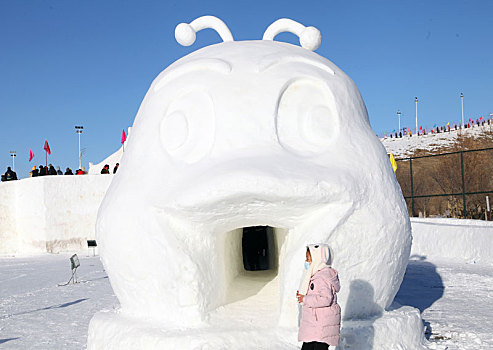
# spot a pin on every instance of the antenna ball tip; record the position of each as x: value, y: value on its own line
x: 310, y: 38
x: 185, y: 34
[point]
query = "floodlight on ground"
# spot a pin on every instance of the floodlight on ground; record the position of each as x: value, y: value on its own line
x: 74, y: 262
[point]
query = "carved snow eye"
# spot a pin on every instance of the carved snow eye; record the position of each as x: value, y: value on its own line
x: 307, y: 119
x: 187, y: 130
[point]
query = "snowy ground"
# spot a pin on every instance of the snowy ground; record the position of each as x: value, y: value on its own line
x: 456, y: 300
x: 35, y: 313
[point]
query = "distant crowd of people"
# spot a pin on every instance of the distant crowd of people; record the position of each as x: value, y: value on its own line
x: 106, y: 169
x: 440, y: 129
x: 51, y: 170
x: 10, y: 175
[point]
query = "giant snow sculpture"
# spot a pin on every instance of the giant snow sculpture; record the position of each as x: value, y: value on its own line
x: 243, y: 134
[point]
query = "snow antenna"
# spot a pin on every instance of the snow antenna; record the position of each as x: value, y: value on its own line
x: 185, y: 33
x: 310, y: 37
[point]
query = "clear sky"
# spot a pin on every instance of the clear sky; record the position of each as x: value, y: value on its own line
x: 65, y: 63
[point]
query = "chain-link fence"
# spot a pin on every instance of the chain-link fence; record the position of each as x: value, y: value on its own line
x: 453, y: 184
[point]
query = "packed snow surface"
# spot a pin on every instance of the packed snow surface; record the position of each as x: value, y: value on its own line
x: 455, y: 299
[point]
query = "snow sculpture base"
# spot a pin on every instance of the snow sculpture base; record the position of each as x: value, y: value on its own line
x: 397, y: 329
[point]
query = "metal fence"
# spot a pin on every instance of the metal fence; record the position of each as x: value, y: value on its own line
x: 453, y: 184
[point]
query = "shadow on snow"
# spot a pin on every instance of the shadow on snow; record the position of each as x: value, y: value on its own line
x: 59, y: 306
x: 421, y: 287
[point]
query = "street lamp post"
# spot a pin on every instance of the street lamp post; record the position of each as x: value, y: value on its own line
x: 78, y: 130
x: 13, y: 154
x: 399, y: 116
x: 462, y: 108
x: 416, y: 101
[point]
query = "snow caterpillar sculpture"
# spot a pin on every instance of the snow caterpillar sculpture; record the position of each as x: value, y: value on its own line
x: 243, y: 134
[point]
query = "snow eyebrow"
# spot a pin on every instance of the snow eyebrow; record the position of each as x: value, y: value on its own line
x: 271, y: 61
x: 210, y: 64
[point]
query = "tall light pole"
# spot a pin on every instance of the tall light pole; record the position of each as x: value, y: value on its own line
x: 78, y: 130
x: 13, y: 154
x: 416, y: 101
x: 399, y: 116
x: 462, y: 108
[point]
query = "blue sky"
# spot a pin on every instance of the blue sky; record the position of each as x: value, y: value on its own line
x: 90, y: 63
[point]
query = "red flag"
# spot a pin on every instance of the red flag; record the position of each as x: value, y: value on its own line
x: 47, y: 147
x: 124, y: 137
x: 31, y: 154
x: 480, y: 118
x: 420, y: 128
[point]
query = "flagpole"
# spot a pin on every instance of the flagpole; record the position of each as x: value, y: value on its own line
x: 46, y: 157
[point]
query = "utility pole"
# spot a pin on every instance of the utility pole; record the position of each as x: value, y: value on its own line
x: 78, y: 130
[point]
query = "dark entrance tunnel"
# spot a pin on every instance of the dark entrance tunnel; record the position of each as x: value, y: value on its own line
x: 258, y: 249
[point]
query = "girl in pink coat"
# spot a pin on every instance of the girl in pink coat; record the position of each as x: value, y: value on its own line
x: 321, y: 315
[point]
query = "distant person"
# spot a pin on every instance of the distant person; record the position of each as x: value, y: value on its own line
x: 81, y: 171
x: 3, y: 178
x: 58, y: 171
x: 42, y: 170
x: 35, y: 171
x: 106, y: 169
x: 115, y: 169
x: 10, y: 175
x: 400, y: 134
x: 51, y: 170
x: 68, y: 171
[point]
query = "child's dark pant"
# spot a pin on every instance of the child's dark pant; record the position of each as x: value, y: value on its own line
x: 315, y: 345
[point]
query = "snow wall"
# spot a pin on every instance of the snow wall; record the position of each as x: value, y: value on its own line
x: 457, y: 239
x: 49, y: 214
x: 54, y: 214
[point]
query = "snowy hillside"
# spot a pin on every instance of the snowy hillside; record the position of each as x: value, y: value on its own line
x: 406, y: 146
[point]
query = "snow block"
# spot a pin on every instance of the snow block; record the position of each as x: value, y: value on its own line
x: 458, y: 239
x: 400, y: 329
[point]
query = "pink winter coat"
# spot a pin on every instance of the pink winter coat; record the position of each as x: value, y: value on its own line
x: 321, y: 315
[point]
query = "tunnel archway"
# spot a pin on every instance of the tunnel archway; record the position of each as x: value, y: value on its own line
x: 258, y: 248
x: 251, y: 257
